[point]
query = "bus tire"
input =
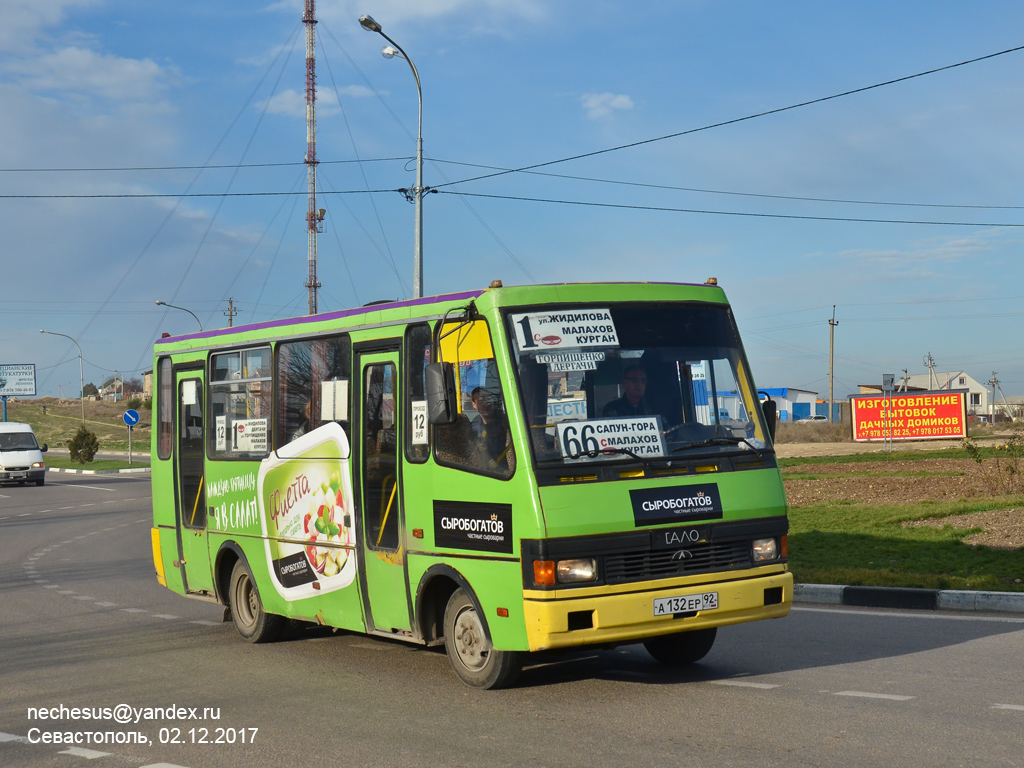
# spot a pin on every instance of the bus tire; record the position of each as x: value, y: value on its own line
x: 681, y: 648
x: 252, y: 622
x: 469, y: 649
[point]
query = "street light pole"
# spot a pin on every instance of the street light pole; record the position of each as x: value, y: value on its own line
x: 81, y: 368
x: 368, y: 23
x: 165, y: 304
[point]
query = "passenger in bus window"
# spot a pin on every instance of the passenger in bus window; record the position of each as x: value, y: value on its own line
x: 632, y: 402
x: 489, y: 426
x: 304, y: 425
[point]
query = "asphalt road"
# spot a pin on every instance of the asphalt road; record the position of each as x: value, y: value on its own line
x: 84, y: 624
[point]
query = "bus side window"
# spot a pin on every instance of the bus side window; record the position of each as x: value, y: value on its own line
x: 306, y: 370
x: 417, y: 355
x: 479, y: 440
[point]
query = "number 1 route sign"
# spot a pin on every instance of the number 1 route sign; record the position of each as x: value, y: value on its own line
x: 131, y: 417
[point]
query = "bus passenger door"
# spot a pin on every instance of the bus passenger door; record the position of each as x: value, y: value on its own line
x: 189, y: 487
x: 379, y: 495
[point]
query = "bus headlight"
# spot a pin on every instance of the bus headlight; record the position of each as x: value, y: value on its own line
x: 765, y: 550
x: 571, y: 571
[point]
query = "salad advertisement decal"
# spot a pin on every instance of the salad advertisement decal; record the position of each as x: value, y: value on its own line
x: 305, y: 501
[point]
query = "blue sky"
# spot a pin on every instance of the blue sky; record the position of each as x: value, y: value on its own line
x: 111, y: 84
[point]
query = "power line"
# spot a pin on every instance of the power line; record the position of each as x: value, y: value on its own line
x: 673, y: 188
x: 231, y: 166
x: 733, y: 121
x: 734, y: 213
x: 144, y: 195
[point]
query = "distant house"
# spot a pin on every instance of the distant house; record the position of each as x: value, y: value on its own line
x: 794, y: 404
x: 112, y: 389
x: 977, y: 393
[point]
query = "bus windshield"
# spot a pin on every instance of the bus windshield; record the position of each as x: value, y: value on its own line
x: 634, y: 381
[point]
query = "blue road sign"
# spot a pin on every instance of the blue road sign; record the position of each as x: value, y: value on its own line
x: 131, y: 417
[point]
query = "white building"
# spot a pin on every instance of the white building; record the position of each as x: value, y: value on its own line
x: 977, y: 397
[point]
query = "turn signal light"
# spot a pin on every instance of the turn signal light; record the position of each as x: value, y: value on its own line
x: 544, y: 573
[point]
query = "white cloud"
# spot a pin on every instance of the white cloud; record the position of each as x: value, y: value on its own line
x: 293, y: 102
x: 23, y: 20
x: 600, y: 105
x: 87, y: 72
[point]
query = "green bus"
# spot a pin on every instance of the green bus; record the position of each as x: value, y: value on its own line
x: 502, y: 471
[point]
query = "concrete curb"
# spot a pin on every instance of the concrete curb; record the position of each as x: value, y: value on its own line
x: 139, y: 471
x: 905, y: 598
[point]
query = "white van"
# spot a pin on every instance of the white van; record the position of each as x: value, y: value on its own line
x: 21, y: 458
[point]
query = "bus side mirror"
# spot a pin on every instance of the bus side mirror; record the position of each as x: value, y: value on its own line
x: 771, y: 415
x: 439, y: 382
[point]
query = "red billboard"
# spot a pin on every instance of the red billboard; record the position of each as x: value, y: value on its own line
x: 902, y: 416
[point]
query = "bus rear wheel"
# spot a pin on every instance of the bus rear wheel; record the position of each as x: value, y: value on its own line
x: 472, y: 656
x: 252, y: 622
x: 682, y: 648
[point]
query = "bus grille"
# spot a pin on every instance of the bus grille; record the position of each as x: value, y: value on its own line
x: 641, y: 566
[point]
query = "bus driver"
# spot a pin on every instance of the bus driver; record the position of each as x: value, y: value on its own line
x: 632, y: 402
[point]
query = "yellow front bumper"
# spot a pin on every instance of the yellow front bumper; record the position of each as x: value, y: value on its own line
x: 625, y: 613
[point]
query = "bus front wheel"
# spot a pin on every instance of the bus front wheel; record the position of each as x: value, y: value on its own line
x: 252, y: 622
x: 472, y: 656
x: 682, y: 648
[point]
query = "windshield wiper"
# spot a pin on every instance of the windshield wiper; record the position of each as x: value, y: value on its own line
x: 718, y: 441
x: 609, y: 452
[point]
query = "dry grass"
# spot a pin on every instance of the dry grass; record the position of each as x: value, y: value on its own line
x: 63, y: 418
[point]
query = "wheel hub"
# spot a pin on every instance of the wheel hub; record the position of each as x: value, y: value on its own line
x: 470, y: 641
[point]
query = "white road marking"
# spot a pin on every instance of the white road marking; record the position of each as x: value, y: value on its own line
x: 134, y: 610
x: 88, y: 754
x: 52, y: 586
x: 921, y: 615
x: 207, y: 623
x: 165, y: 616
x: 107, y: 605
x: 12, y: 737
x: 1017, y: 707
x: 66, y: 592
x: 745, y: 684
x: 25, y: 514
x: 869, y: 695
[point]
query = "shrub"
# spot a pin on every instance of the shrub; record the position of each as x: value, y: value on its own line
x: 135, y: 403
x: 83, y: 445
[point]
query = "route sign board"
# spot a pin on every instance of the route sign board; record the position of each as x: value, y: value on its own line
x: 131, y: 417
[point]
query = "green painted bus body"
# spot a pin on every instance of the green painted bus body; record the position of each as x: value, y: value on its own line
x: 577, y: 505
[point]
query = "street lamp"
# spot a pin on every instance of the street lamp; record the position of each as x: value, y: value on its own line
x: 165, y: 304
x: 368, y: 23
x: 81, y: 369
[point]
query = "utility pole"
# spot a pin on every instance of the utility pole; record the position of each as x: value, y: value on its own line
x: 314, y: 217
x: 993, y: 382
x: 933, y: 379
x: 230, y: 312
x: 906, y: 378
x: 831, y: 357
